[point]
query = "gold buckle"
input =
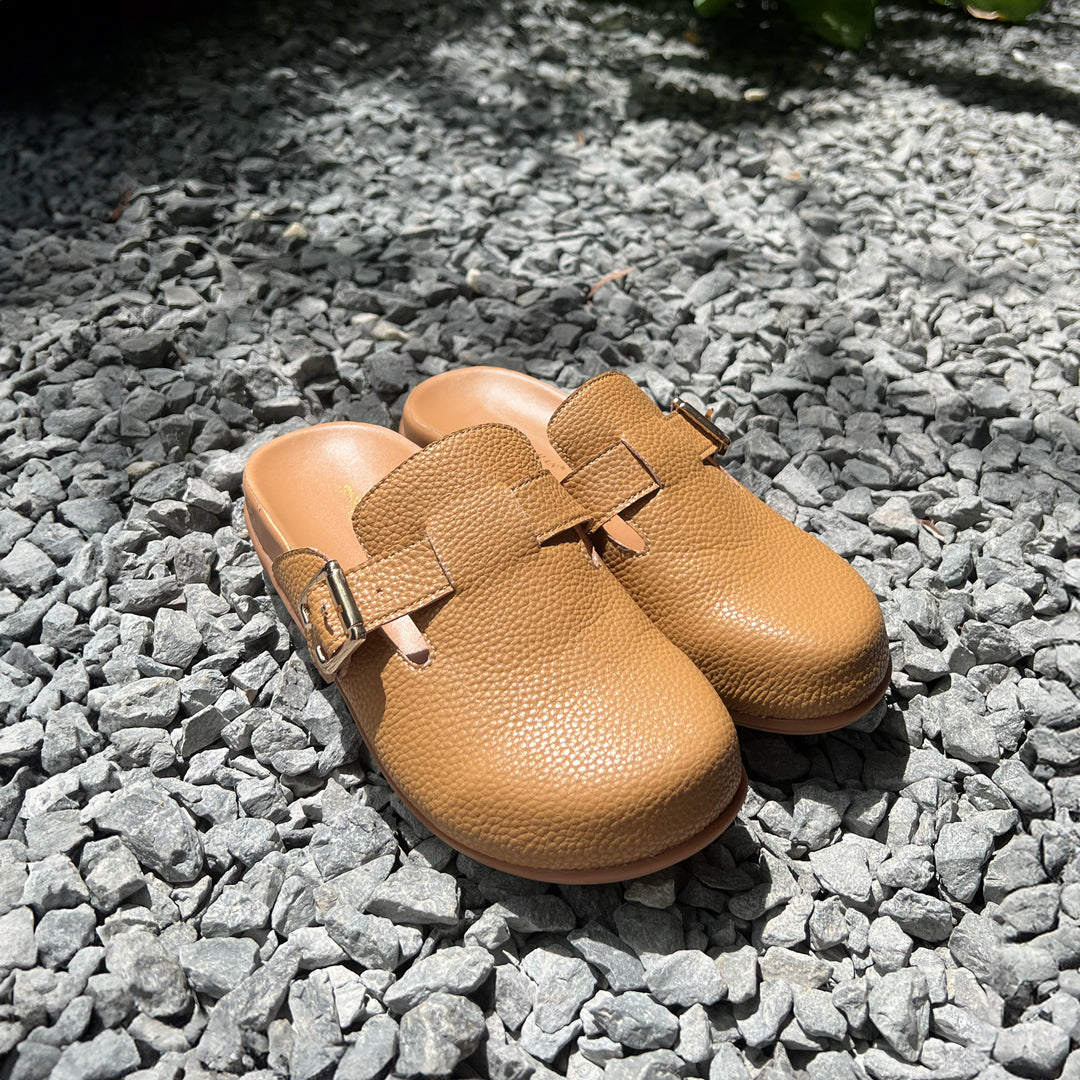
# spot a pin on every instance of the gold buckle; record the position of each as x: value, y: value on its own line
x: 702, y: 422
x: 348, y: 612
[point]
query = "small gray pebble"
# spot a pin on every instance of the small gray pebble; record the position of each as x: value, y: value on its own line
x: 437, y: 1034
x: 900, y: 1009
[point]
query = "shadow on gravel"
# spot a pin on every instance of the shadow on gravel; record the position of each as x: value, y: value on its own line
x: 903, y: 49
x: 132, y: 46
x: 144, y: 81
x: 875, y: 760
x: 911, y: 43
x: 742, y: 51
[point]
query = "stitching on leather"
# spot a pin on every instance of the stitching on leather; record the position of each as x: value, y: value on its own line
x: 519, y: 506
x: 405, y: 552
x: 640, y: 494
x: 416, y: 602
x: 623, y: 550
x: 570, y: 479
x: 337, y: 638
x: 411, y: 605
x: 572, y: 519
x: 442, y: 565
x: 288, y: 556
x: 593, y: 460
x: 527, y: 482
x: 568, y: 522
x: 644, y: 463
x: 432, y: 652
x: 595, y: 520
x: 564, y: 525
x: 596, y: 380
x: 708, y: 449
x: 334, y: 635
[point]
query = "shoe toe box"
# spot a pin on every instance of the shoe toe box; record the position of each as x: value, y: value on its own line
x: 590, y: 767
x: 806, y: 644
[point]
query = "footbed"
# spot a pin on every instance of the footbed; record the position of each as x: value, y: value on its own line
x: 479, y: 395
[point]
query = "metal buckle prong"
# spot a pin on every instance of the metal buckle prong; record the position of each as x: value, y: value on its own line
x: 351, y: 620
x: 346, y: 602
x: 702, y: 423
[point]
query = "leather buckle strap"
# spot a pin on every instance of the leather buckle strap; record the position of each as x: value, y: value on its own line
x: 615, y: 479
x: 610, y: 482
x: 701, y: 423
x: 550, y: 508
x: 339, y: 608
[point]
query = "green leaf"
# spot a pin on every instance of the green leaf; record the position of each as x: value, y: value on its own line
x: 708, y: 8
x: 843, y: 22
x: 1009, y: 10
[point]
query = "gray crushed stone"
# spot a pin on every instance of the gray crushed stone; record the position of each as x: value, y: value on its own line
x: 219, y: 229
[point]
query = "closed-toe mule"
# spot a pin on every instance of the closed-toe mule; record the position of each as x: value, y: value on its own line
x: 788, y: 633
x: 520, y: 703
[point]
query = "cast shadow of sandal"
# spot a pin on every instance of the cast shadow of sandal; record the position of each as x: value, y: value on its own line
x: 866, y: 768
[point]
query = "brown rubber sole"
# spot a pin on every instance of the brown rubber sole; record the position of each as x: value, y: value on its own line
x: 603, y: 875
x: 815, y: 725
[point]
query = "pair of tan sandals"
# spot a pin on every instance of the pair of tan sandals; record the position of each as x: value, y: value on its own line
x: 547, y: 612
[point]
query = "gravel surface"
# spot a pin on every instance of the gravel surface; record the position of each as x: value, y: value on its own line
x: 281, y: 213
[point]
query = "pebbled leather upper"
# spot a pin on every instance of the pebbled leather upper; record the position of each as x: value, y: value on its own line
x: 552, y: 726
x: 780, y: 624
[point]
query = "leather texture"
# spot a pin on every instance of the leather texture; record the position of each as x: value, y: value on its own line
x: 553, y: 728
x: 787, y: 632
x: 610, y: 482
x: 780, y: 624
x: 383, y: 589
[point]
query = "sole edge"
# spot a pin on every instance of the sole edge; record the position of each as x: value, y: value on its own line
x: 815, y: 725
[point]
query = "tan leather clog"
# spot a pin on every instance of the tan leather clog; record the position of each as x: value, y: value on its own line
x: 788, y: 633
x: 515, y: 697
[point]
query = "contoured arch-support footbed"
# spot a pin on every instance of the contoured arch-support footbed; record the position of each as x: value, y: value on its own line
x: 479, y: 395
